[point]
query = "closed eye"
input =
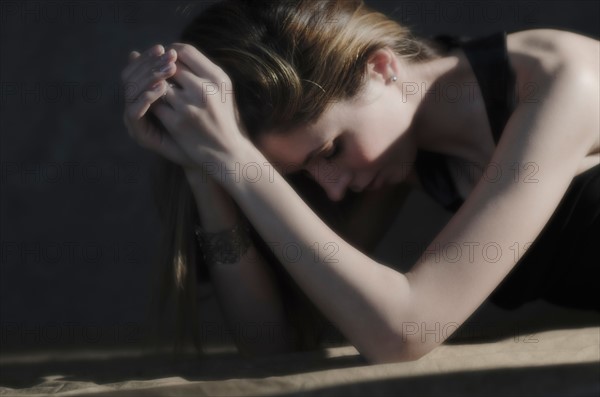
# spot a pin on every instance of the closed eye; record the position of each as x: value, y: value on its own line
x: 335, y: 150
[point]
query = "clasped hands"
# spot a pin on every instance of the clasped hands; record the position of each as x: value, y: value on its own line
x: 196, y: 105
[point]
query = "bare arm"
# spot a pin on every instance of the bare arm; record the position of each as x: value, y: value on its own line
x: 368, y: 301
x: 371, y: 303
x: 503, y: 215
x: 358, y: 295
x: 246, y: 290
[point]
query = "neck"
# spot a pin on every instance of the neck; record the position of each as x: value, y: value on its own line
x: 449, y: 110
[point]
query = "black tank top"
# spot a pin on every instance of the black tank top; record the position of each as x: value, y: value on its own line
x: 561, y: 265
x: 496, y: 78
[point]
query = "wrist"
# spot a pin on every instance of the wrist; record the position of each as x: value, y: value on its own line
x: 244, y: 164
x: 214, y: 164
x: 216, y: 208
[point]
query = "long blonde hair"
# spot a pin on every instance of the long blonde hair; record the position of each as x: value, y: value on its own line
x: 288, y: 61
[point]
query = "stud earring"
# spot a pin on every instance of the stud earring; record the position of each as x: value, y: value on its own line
x: 393, y: 79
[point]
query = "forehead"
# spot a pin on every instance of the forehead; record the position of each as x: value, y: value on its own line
x: 288, y: 149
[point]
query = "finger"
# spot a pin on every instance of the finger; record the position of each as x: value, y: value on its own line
x: 183, y: 76
x: 142, y: 68
x: 146, y: 82
x: 160, y: 142
x: 149, y: 75
x: 163, y: 66
x: 138, y: 108
x: 164, y: 112
x: 148, y: 134
x: 173, y: 96
x: 133, y: 55
x: 166, y: 146
x: 196, y: 61
x: 188, y: 87
x: 128, y: 87
x: 133, y: 66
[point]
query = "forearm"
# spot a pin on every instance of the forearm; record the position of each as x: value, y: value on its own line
x: 246, y: 290
x: 216, y: 209
x: 367, y: 301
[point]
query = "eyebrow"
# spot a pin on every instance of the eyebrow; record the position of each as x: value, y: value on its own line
x: 311, y: 155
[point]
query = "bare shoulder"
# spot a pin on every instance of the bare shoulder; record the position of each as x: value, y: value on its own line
x: 536, y: 53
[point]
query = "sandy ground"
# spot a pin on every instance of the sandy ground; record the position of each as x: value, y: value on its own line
x: 560, y: 356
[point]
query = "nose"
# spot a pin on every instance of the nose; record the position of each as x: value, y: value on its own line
x: 333, y: 181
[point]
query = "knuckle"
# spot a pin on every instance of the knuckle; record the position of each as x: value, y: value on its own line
x: 180, y: 119
x: 148, y: 96
x: 188, y: 111
x: 177, y: 46
x: 186, y: 115
x: 155, y: 72
x: 157, y: 48
x: 219, y: 75
x: 183, y: 51
x: 224, y: 77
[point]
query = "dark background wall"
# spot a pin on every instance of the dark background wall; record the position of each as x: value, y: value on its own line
x: 78, y: 229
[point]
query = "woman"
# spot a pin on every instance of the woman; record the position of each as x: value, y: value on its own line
x: 343, y: 102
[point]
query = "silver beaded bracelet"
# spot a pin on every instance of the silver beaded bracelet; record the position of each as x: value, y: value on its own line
x: 225, y: 247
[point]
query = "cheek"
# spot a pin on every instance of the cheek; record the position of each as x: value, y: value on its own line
x: 367, y: 152
x: 378, y: 138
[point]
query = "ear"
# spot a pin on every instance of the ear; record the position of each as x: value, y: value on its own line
x: 382, y: 65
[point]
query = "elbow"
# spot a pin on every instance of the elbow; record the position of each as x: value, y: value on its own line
x: 401, y: 342
x: 393, y: 356
x: 394, y: 349
x: 398, y: 339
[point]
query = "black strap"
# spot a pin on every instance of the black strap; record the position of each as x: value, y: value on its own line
x: 496, y: 78
x: 489, y: 60
x: 435, y: 177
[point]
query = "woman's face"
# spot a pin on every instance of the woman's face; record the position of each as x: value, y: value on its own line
x: 361, y: 144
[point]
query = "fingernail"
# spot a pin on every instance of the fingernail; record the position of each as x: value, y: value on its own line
x: 156, y: 49
x: 165, y: 68
x: 156, y: 86
x: 166, y: 55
